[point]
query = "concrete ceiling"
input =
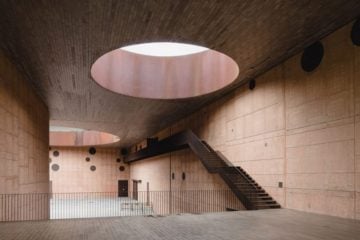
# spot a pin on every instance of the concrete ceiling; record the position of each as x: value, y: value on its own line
x: 54, y: 44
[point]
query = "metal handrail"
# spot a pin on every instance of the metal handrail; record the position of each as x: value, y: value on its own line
x: 221, y: 158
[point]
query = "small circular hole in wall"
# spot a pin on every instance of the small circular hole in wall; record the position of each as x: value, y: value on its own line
x: 312, y: 56
x: 252, y: 84
x: 355, y: 33
x: 56, y: 153
x: 93, y: 168
x: 118, y: 160
x: 121, y: 168
x: 55, y: 167
x: 92, y: 150
x: 87, y: 159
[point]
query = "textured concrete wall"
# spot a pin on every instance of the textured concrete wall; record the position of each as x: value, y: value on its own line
x: 320, y: 130
x: 24, y: 143
x: 74, y: 174
x: 298, y: 128
x: 156, y: 173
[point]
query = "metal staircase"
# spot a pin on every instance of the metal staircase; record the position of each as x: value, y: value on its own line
x: 250, y: 193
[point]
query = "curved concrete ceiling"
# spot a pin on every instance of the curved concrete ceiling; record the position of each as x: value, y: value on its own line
x: 54, y: 44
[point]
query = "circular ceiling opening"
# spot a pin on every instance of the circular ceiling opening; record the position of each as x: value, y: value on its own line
x: 164, y: 70
x: 76, y: 137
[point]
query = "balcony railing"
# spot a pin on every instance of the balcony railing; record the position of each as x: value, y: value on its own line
x: 40, y: 206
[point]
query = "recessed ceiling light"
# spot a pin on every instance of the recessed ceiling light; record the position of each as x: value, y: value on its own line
x: 164, y: 49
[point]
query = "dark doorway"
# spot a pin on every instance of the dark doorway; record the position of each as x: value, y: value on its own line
x: 135, y: 190
x: 123, y: 188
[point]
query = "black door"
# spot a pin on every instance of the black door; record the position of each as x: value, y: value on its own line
x: 123, y: 188
x: 135, y: 190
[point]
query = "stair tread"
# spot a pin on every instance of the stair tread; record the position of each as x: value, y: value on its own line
x: 251, y: 189
x: 265, y: 201
x: 267, y: 205
x: 262, y: 198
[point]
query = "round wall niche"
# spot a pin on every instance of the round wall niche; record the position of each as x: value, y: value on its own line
x: 312, y: 56
x: 174, y: 74
x: 355, y: 33
x: 56, y: 153
x: 252, y: 84
x: 93, y: 168
x: 55, y: 167
x: 76, y: 137
x: 92, y: 150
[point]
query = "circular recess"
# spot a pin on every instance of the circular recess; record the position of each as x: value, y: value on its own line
x: 55, y: 167
x: 87, y: 159
x: 355, y: 33
x: 252, y: 84
x: 76, y: 137
x: 93, y: 168
x: 312, y: 57
x: 171, y: 76
x: 118, y: 160
x: 121, y: 168
x: 92, y: 150
x: 56, y: 153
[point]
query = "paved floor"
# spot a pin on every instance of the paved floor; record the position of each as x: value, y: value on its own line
x: 266, y: 224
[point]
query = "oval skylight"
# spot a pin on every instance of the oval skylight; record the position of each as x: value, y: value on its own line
x: 76, y: 137
x: 164, y: 49
x: 164, y: 72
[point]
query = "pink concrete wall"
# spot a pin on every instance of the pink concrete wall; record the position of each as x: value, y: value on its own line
x: 298, y: 128
x: 74, y: 174
x: 24, y: 143
x: 320, y: 130
x: 156, y: 172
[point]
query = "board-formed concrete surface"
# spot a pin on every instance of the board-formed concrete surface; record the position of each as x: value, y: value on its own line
x: 263, y: 224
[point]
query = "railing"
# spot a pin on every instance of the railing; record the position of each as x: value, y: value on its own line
x: 39, y: 206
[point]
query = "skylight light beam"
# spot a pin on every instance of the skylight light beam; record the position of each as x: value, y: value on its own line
x: 164, y: 49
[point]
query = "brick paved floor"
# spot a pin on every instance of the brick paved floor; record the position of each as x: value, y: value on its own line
x: 266, y: 224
